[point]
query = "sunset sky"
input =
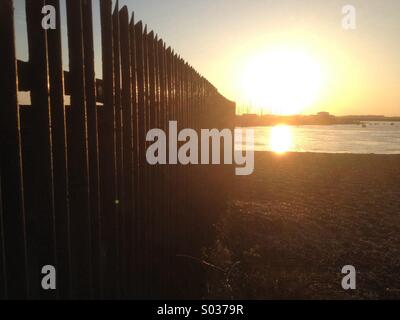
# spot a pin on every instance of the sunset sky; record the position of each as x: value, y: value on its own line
x: 287, y: 56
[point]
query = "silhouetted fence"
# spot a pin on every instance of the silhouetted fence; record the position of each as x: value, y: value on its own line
x: 76, y: 190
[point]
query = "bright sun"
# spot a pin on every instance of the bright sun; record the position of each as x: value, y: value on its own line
x: 282, y: 81
x: 281, y: 139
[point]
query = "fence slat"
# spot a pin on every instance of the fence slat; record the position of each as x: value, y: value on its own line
x: 119, y: 161
x: 127, y: 132
x: 169, y: 176
x: 141, y: 111
x: 147, y: 173
x: 107, y: 153
x: 3, y: 269
x: 78, y: 161
x: 135, y: 159
x: 60, y: 164
x: 13, y: 250
x: 93, y: 144
x: 152, y: 123
x: 37, y: 153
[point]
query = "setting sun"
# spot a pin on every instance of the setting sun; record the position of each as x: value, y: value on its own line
x: 282, y: 81
x: 280, y: 139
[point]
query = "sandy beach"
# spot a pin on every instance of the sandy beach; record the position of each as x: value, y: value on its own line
x: 292, y: 225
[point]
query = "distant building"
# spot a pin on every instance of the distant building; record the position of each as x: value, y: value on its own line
x: 323, y: 114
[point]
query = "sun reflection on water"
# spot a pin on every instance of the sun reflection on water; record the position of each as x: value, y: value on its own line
x: 281, y: 139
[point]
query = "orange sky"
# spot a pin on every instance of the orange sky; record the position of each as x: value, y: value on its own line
x: 360, y: 69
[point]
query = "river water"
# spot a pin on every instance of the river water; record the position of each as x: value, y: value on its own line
x: 373, y: 137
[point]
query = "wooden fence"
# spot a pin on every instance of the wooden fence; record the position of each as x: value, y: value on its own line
x: 76, y: 190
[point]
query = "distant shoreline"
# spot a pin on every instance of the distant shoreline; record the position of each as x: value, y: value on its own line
x: 311, y: 124
x: 322, y: 118
x: 289, y: 154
